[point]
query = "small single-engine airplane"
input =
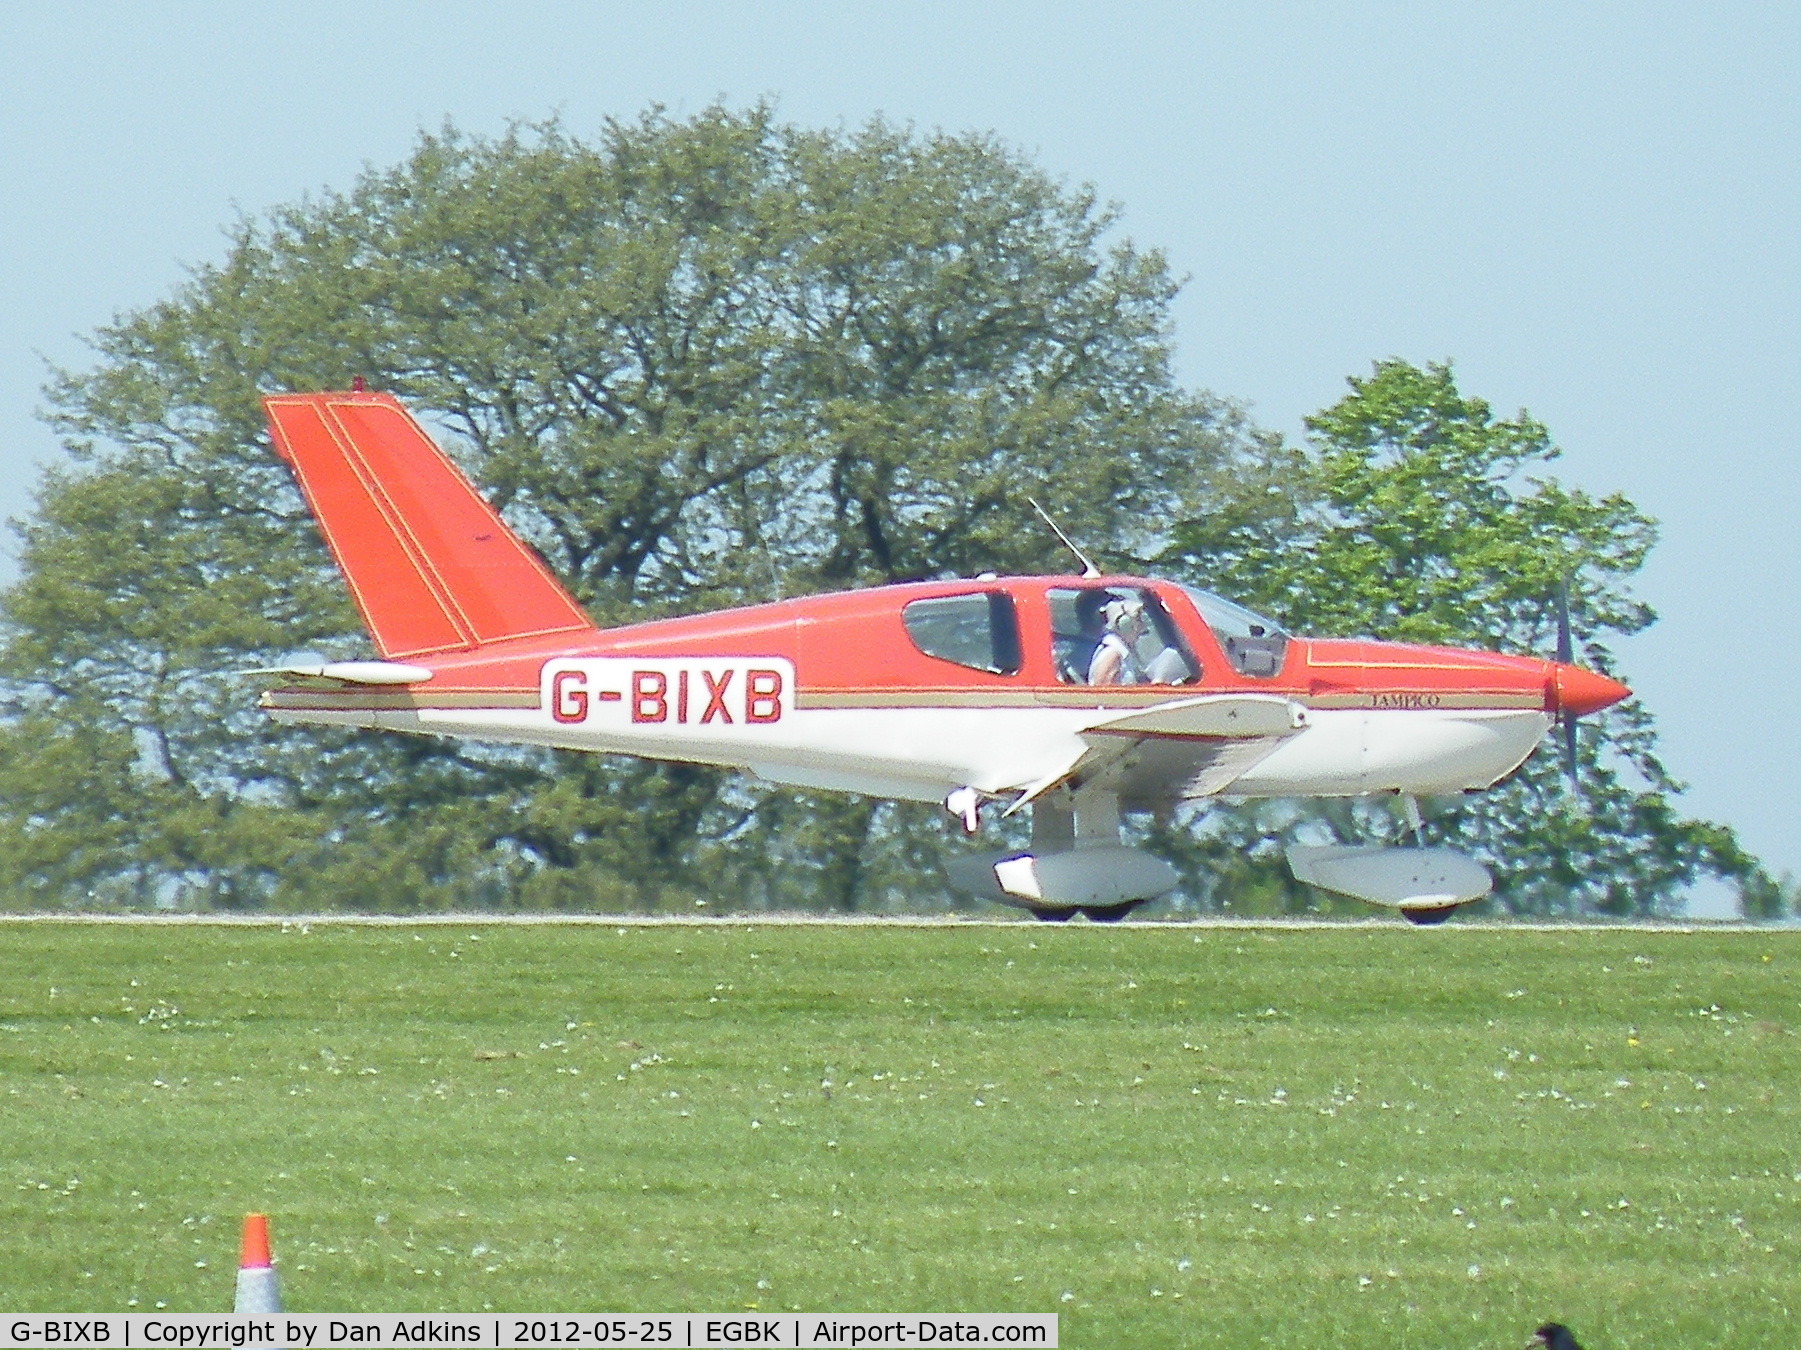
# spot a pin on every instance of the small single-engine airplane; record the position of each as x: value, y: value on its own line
x: 1078, y: 697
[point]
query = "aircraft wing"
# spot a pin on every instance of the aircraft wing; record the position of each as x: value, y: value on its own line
x: 1210, y: 717
x: 1174, y: 751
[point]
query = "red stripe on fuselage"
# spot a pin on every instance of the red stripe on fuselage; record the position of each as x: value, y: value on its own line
x: 852, y: 649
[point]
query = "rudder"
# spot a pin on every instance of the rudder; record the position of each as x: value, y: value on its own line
x: 430, y: 564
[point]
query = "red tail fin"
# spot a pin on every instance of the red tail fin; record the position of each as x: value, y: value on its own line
x: 431, y: 565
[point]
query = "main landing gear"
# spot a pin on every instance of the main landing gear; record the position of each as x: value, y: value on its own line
x: 1110, y: 913
x: 1074, y: 865
x: 1094, y: 913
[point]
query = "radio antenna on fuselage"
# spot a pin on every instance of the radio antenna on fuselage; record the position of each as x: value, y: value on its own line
x: 1088, y: 567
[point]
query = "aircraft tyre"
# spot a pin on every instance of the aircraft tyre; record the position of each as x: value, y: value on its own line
x: 1110, y: 913
x: 1052, y: 913
x: 1427, y: 917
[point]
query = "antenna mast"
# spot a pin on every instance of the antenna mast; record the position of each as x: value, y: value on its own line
x: 1088, y: 567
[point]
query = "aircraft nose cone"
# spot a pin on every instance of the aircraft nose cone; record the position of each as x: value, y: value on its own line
x: 1580, y: 692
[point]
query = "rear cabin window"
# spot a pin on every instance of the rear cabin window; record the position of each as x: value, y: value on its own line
x: 977, y: 631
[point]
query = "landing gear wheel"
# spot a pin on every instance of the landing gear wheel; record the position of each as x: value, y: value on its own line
x: 1427, y: 917
x: 1110, y: 913
x: 1047, y: 914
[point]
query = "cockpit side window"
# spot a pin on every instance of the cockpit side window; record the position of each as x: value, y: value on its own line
x: 1255, y: 646
x: 1116, y: 635
x: 979, y: 631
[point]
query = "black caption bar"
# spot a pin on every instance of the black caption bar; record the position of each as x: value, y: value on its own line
x: 607, y: 1331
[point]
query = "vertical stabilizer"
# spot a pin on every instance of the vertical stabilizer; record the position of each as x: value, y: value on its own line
x: 431, y: 566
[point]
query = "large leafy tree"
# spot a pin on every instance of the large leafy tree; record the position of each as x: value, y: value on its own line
x: 1427, y: 518
x: 696, y: 361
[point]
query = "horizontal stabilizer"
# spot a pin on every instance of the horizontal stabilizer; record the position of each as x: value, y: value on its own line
x: 351, y: 672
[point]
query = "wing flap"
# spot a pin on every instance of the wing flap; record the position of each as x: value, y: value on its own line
x: 1210, y: 717
x: 1182, y: 749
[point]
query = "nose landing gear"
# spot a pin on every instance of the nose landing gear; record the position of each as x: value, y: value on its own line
x: 1427, y: 918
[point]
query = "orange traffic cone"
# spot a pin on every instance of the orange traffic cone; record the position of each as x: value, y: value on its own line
x: 257, y: 1291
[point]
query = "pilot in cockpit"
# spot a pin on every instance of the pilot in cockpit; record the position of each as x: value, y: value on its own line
x: 1113, y: 636
x: 1075, y: 651
x: 1115, y: 659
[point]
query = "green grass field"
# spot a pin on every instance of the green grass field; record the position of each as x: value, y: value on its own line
x: 1173, y: 1136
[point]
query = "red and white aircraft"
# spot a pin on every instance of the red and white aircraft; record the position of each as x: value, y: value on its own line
x: 1078, y: 697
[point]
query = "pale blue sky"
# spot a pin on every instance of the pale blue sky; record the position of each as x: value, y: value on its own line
x: 1593, y: 209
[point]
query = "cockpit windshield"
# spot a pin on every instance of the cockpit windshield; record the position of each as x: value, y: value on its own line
x: 1254, y: 645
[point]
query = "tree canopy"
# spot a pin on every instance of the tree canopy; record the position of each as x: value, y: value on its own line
x: 1429, y: 519
x: 707, y: 361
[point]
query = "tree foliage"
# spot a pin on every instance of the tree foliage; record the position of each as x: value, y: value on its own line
x: 708, y: 361
x: 696, y: 362
x: 1429, y: 519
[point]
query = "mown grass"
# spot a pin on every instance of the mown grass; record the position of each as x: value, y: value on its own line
x: 1173, y: 1136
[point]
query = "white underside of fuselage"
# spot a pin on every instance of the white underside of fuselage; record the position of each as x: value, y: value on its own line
x: 922, y: 753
